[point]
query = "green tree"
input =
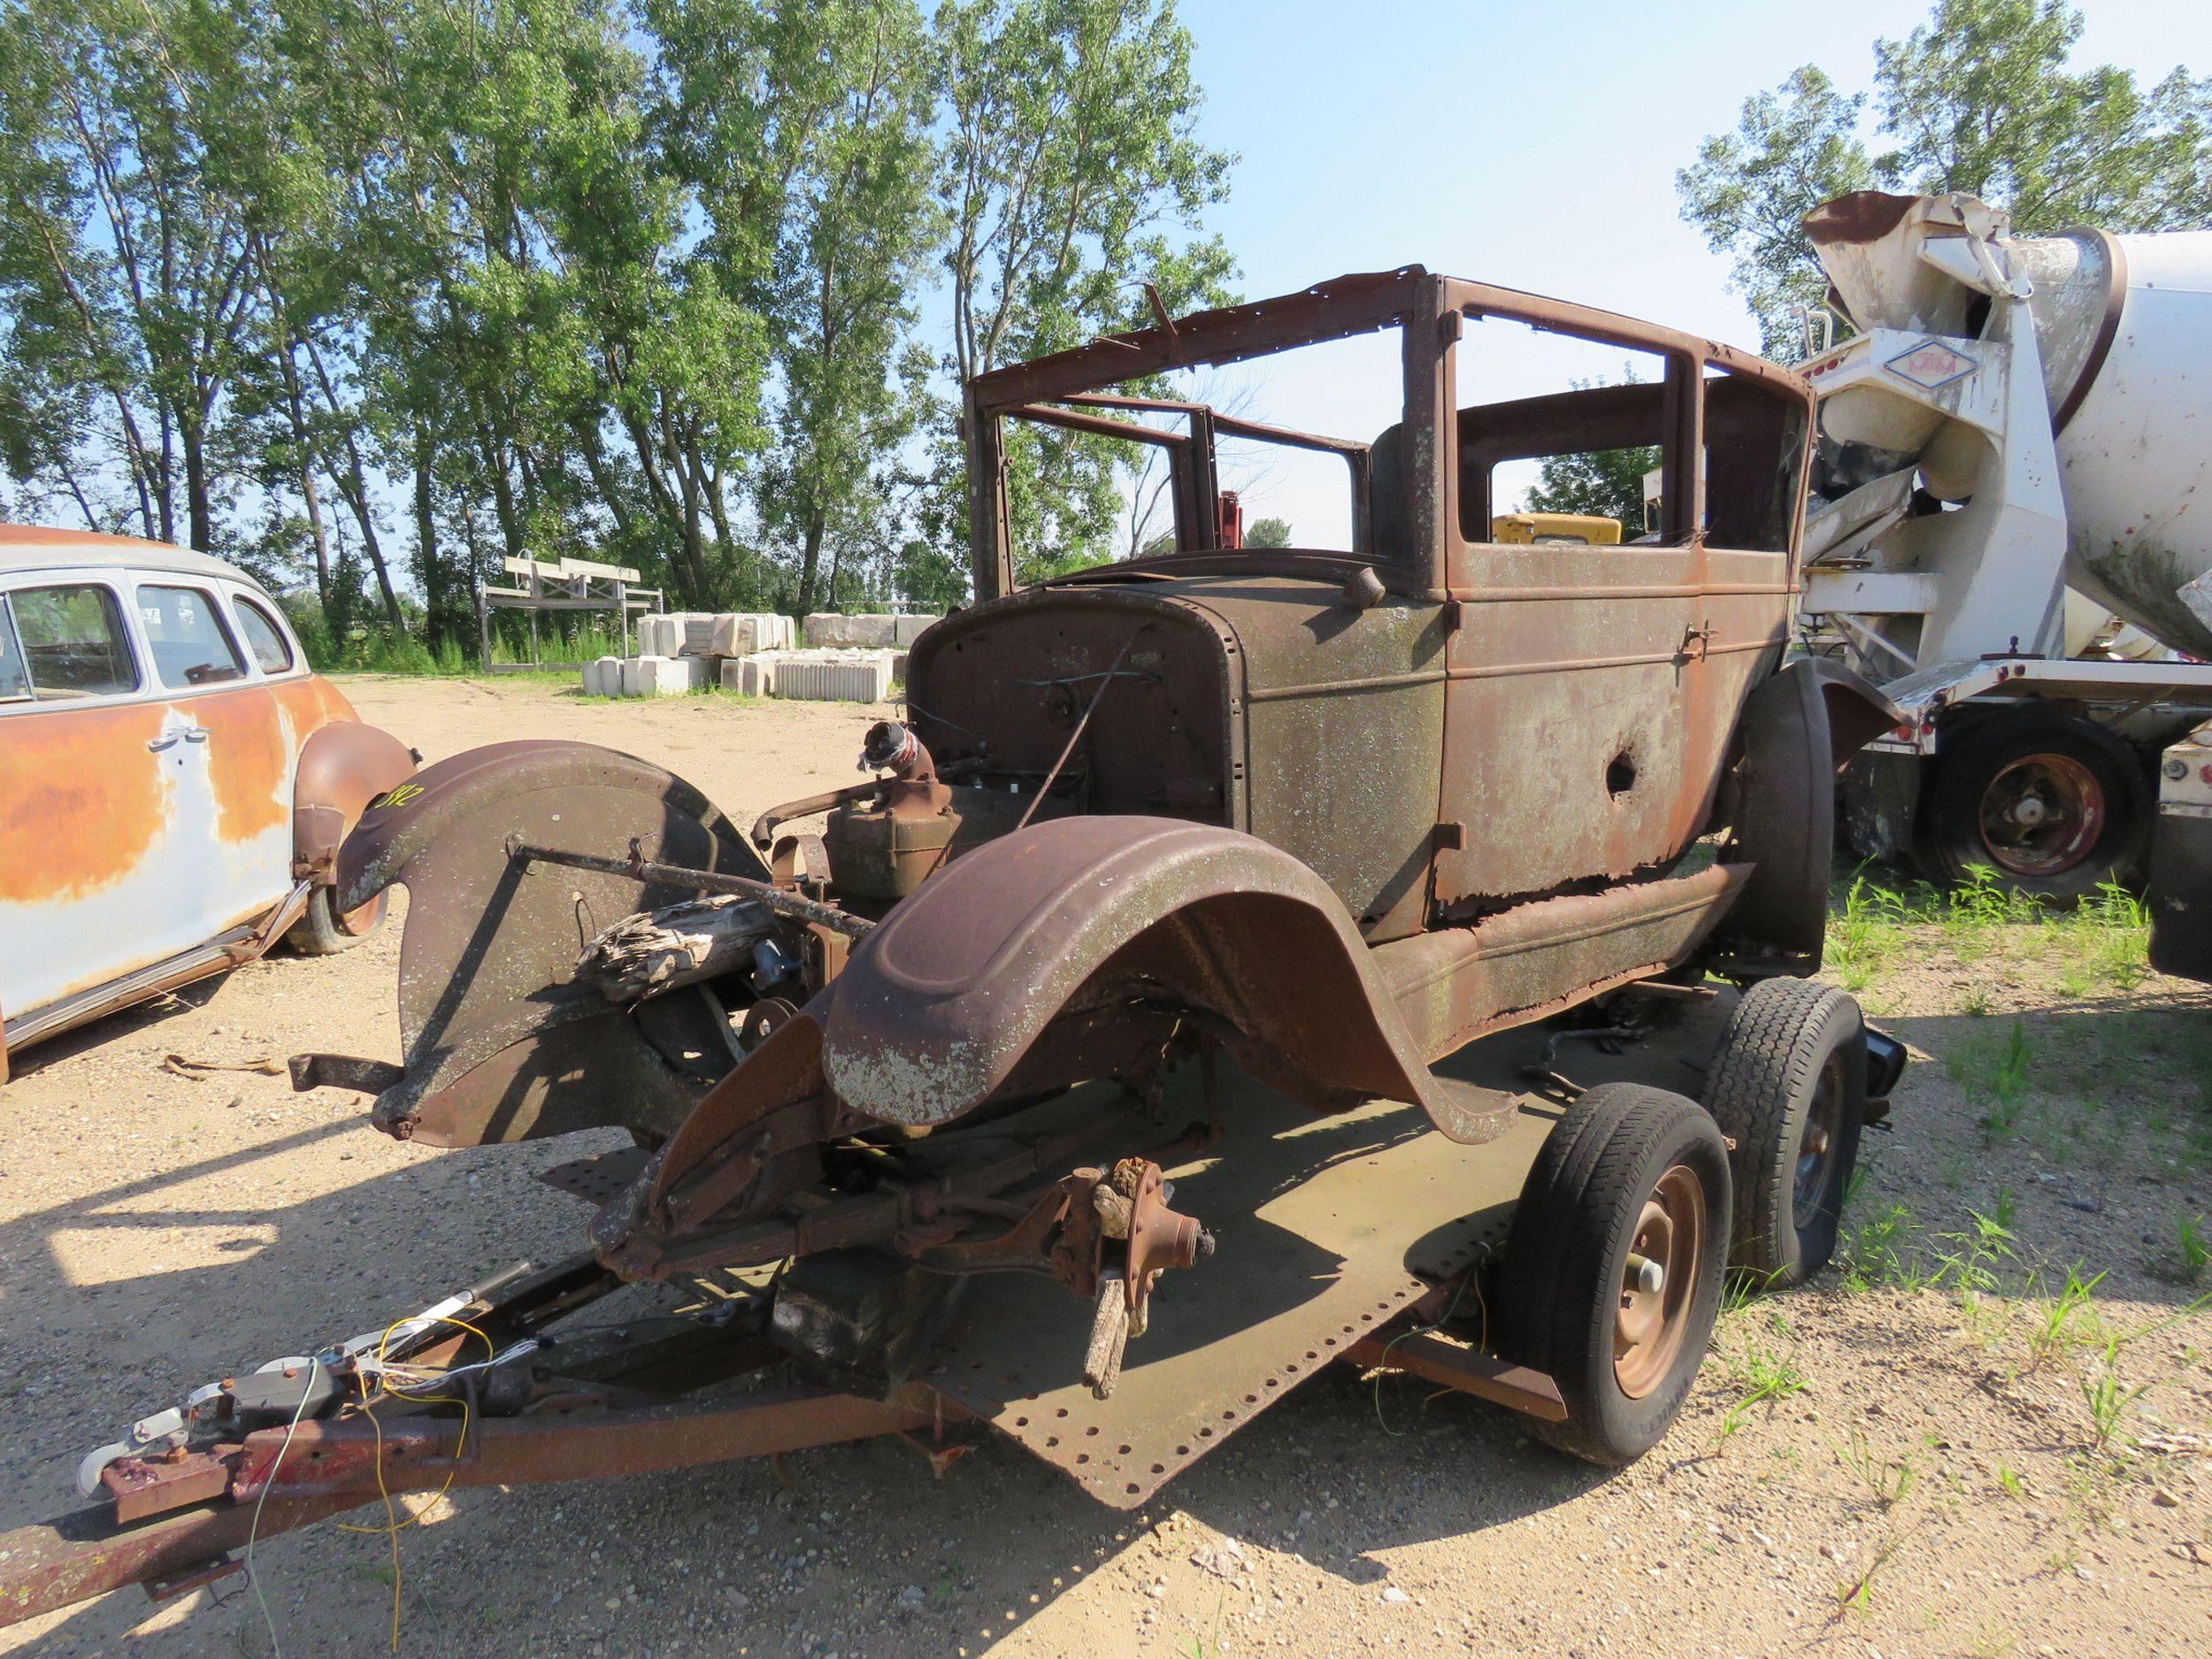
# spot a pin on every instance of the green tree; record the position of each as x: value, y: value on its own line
x: 1069, y: 165
x: 1981, y: 99
x: 126, y: 273
x: 1267, y: 533
x: 1608, y: 483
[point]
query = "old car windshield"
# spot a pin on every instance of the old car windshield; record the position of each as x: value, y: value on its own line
x: 190, y: 645
x: 72, y: 641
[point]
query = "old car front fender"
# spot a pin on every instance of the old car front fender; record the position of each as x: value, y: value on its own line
x: 500, y: 1042
x: 343, y: 767
x: 941, y: 1002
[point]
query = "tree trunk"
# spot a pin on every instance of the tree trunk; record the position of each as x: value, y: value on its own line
x: 426, y: 565
x: 810, y: 559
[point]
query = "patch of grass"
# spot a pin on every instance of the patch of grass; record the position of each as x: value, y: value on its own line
x: 2193, y: 1250
x: 1995, y: 1069
x: 2106, y: 1398
x: 1881, y: 1253
x: 1857, y: 1595
x: 2066, y: 1322
x: 1889, y: 1478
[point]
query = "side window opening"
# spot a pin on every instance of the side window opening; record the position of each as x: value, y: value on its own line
x: 264, y: 638
x: 1560, y: 457
x: 72, y: 641
x: 15, y: 679
x: 191, y: 647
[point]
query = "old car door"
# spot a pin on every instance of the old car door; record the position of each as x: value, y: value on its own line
x: 1595, y: 689
x: 231, y: 752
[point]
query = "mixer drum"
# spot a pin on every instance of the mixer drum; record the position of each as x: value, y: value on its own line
x: 2136, y: 454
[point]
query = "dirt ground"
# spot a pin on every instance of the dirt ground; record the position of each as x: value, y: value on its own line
x: 1937, y: 1449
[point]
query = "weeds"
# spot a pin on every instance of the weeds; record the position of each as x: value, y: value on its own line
x: 1858, y: 1596
x: 2065, y: 1321
x: 1889, y: 1479
x: 1995, y: 1069
x: 2191, y: 1252
x: 2109, y: 1400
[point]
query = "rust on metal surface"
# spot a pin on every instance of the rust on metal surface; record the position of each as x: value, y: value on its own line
x: 88, y: 768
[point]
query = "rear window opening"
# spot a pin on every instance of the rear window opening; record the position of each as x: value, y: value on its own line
x: 71, y: 643
x: 191, y: 646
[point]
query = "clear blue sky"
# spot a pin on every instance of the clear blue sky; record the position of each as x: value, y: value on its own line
x: 1532, y: 147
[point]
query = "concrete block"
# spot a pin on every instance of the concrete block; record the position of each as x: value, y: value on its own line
x: 660, y: 636
x: 752, y: 676
x: 833, y: 629
x: 654, y: 676
x: 602, y: 677
x: 834, y: 676
x: 906, y: 630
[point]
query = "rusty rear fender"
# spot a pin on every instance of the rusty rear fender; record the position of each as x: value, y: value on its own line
x: 343, y: 767
x: 939, y: 1004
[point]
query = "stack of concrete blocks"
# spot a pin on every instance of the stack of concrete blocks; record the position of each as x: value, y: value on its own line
x: 815, y: 675
x: 711, y: 634
x: 602, y: 677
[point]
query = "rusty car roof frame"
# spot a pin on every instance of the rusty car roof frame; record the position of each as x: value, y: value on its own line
x: 1344, y: 307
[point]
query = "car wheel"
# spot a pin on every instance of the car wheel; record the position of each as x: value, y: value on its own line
x: 1787, y: 1086
x: 321, y: 932
x: 2055, y: 805
x: 1614, y: 1263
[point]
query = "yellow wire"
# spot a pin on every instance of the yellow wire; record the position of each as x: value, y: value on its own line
x: 392, y: 1523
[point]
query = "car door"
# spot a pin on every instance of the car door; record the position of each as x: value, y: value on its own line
x: 91, y: 884
x: 230, y: 750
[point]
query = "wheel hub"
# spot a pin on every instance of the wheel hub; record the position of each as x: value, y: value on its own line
x: 1823, y: 1130
x: 2042, y: 815
x: 1658, y: 1276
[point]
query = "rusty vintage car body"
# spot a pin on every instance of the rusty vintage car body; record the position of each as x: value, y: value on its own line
x: 174, y: 781
x: 899, y: 1083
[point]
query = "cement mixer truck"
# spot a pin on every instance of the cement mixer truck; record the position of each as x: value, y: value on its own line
x: 2010, y: 531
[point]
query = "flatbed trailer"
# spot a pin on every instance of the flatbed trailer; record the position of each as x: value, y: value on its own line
x: 1365, y: 1239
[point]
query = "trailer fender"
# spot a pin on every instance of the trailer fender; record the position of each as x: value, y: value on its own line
x: 940, y: 1002
x: 499, y: 1043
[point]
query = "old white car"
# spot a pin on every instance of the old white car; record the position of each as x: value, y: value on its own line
x: 174, y: 781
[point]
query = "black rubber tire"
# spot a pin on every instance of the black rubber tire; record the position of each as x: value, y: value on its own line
x: 1948, y: 834
x: 1769, y: 1081
x: 1560, y: 1292
x: 317, y: 932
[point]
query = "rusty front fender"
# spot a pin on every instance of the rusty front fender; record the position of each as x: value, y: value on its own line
x: 940, y: 1003
x: 500, y: 1042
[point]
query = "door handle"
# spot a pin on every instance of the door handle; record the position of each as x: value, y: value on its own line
x: 167, y: 739
x: 195, y: 734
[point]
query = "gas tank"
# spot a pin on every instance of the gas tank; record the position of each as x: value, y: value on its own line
x: 2136, y: 447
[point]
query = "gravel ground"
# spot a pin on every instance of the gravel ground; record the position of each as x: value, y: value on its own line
x: 1870, y: 1465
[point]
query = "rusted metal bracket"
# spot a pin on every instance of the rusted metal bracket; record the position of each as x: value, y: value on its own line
x: 1455, y: 1365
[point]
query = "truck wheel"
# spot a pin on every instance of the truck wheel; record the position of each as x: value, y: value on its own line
x: 1613, y: 1266
x: 321, y: 932
x: 1788, y: 1086
x: 2054, y: 804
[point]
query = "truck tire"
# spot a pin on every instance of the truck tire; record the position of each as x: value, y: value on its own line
x: 1629, y: 1171
x: 2054, y: 804
x: 320, y: 932
x: 1788, y: 1085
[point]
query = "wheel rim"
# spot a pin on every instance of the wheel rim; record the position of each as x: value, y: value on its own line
x: 1816, y: 1151
x: 1649, y: 1323
x: 363, y: 919
x: 2042, y: 815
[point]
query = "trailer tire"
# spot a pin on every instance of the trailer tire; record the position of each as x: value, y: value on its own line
x: 1627, y: 1165
x: 2089, y: 791
x: 1788, y: 1085
x: 319, y: 931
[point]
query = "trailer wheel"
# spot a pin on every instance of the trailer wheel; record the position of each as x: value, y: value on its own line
x: 1613, y: 1267
x: 1788, y: 1085
x: 321, y: 932
x: 2054, y: 804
